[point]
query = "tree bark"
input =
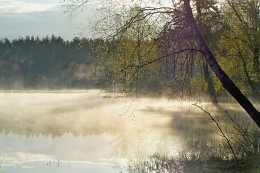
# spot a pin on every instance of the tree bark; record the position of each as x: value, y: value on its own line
x: 210, y: 88
x: 227, y: 83
x: 208, y: 79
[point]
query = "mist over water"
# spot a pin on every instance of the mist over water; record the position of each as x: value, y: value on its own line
x: 75, y: 131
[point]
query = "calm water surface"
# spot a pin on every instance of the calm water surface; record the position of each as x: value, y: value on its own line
x: 91, y: 131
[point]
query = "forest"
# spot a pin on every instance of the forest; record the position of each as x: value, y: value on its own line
x: 135, y: 63
x: 47, y: 63
x: 141, y: 59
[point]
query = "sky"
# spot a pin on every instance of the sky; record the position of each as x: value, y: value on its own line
x: 19, y: 18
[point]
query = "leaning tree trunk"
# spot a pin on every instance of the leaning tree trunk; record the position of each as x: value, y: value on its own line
x: 210, y: 88
x: 227, y: 83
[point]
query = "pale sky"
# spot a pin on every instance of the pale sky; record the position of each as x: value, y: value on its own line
x: 19, y: 18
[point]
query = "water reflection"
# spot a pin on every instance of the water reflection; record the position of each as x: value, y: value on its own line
x: 55, y: 114
x: 92, y: 130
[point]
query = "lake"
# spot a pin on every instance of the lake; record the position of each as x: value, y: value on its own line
x: 93, y: 131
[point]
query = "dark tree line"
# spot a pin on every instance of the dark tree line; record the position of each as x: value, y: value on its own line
x: 53, y: 63
x: 47, y: 63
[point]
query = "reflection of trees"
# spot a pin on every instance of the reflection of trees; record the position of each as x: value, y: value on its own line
x: 33, y: 115
x: 90, y: 115
x: 238, y: 152
x: 188, y: 162
x: 56, y: 128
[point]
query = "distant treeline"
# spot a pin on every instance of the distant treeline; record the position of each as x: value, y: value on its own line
x: 46, y: 63
x: 54, y: 63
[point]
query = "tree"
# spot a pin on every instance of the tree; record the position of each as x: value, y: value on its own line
x: 207, y: 17
x: 241, y: 40
x: 222, y: 76
x: 247, y: 17
x: 180, y: 16
x: 125, y: 57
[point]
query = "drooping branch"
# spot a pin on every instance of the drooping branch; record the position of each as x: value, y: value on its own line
x: 227, y: 83
x: 222, y: 134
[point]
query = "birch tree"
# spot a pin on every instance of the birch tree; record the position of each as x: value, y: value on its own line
x: 222, y: 76
x: 172, y: 18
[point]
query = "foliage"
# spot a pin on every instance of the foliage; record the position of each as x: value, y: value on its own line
x: 47, y: 63
x: 147, y: 48
x: 239, y: 45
